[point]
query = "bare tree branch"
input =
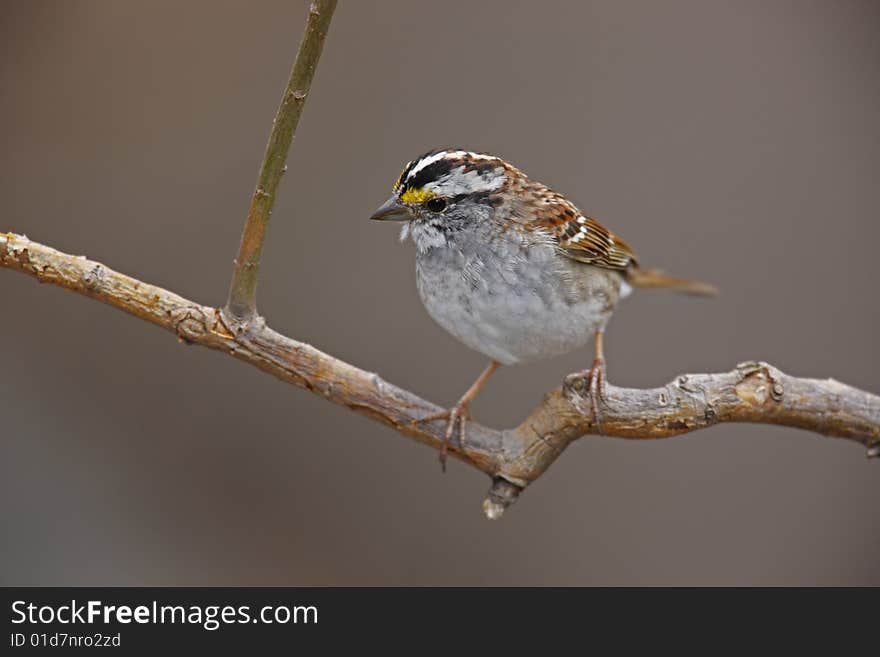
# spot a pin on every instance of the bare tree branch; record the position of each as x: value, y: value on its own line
x: 753, y: 392
x: 242, y: 304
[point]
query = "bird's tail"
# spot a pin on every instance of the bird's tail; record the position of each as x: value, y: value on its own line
x: 638, y: 277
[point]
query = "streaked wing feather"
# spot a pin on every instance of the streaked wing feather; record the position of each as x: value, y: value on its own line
x: 579, y: 237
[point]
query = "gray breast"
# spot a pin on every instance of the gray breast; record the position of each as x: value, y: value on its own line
x: 514, y: 300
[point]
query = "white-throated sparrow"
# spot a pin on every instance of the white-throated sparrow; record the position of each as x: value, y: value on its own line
x: 511, y: 268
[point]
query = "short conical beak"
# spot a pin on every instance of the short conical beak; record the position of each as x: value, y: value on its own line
x: 392, y: 210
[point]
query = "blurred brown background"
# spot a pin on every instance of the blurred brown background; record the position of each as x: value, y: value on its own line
x: 737, y: 142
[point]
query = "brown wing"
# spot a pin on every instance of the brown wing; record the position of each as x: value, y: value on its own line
x: 580, y: 237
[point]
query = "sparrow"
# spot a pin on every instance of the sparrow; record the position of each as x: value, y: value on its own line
x: 511, y: 268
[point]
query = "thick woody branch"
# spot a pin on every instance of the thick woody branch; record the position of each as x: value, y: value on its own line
x: 242, y: 303
x: 753, y: 392
x: 289, y: 360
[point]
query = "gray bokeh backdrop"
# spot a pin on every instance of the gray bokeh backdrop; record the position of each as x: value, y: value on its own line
x: 737, y: 142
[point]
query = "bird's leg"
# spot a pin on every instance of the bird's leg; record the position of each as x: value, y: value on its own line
x: 460, y: 413
x: 596, y: 375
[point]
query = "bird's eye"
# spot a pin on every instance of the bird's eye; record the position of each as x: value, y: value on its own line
x: 436, y: 204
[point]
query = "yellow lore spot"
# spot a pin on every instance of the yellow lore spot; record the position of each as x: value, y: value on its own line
x: 399, y: 181
x: 417, y: 195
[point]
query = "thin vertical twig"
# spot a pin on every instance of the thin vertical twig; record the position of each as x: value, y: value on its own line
x: 242, y: 303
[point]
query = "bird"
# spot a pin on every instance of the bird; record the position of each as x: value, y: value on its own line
x: 511, y: 268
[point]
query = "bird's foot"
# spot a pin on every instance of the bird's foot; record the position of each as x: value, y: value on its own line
x: 594, y: 378
x: 458, y: 415
x: 597, y: 390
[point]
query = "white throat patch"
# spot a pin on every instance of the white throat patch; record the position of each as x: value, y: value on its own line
x: 424, y: 235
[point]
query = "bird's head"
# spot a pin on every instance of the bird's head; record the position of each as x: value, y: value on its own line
x: 443, y: 192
